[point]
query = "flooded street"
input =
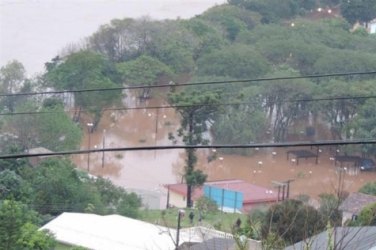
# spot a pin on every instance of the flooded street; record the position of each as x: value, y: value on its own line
x: 146, y: 171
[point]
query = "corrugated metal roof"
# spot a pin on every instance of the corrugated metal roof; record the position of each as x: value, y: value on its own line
x: 355, y: 202
x: 344, y: 238
x: 113, y: 232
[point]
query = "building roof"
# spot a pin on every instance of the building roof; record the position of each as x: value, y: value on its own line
x: 251, y: 193
x: 113, y: 232
x: 355, y: 202
x: 117, y: 232
x: 39, y: 150
x: 344, y: 238
x: 181, y: 188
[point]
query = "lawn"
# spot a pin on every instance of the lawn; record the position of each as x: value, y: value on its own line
x: 61, y: 246
x: 169, y: 218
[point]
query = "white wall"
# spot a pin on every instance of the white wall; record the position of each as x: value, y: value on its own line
x: 177, y: 200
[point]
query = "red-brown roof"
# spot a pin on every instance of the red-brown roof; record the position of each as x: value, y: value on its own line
x: 181, y: 188
x: 251, y: 193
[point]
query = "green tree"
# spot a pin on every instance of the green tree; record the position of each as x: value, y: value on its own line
x: 13, y: 164
x: 13, y: 186
x: 56, y: 130
x: 117, y: 199
x: 329, y: 204
x: 52, y: 128
x: 31, y: 238
x: 87, y: 70
x: 129, y: 205
x: 358, y: 10
x: 12, y: 77
x: 335, y: 60
x: 347, y: 117
x: 205, y: 205
x: 236, y: 61
x: 363, y: 125
x: 366, y: 217
x: 197, y: 109
x: 124, y: 39
x: 275, y: 96
x: 144, y: 70
x: 273, y: 10
x: 175, y: 46
x: 292, y: 221
x: 209, y: 38
x: 230, y: 20
x: 57, y: 187
x: 14, y: 217
x: 243, y: 123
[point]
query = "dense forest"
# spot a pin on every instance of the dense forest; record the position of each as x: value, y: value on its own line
x: 272, y: 41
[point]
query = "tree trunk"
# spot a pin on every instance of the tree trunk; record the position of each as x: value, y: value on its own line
x: 190, y: 163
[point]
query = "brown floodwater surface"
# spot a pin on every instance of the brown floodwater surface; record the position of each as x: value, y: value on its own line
x: 149, y: 170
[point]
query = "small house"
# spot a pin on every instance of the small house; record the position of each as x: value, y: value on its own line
x: 353, y: 205
x: 35, y: 160
x: 230, y: 195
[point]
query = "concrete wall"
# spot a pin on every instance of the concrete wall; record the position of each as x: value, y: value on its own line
x: 177, y: 200
x: 372, y: 28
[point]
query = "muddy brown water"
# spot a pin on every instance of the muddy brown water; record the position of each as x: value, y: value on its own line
x: 148, y: 170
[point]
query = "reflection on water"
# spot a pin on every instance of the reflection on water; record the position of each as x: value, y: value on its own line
x: 149, y: 170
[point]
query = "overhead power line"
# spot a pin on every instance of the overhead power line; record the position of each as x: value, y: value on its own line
x: 220, y: 146
x: 334, y: 98
x: 194, y: 83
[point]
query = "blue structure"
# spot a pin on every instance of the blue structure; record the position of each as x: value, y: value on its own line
x: 224, y: 198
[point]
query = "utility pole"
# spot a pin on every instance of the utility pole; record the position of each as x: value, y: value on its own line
x: 89, y: 127
x: 103, y: 146
x: 285, y: 186
x: 180, y: 215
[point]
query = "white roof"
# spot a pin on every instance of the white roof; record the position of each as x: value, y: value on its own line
x: 113, y: 232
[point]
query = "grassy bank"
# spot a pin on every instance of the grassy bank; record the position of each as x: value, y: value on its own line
x: 169, y: 217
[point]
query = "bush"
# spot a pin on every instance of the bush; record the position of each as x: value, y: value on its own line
x: 206, y: 205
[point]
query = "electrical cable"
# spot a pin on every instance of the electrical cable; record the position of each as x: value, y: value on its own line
x: 194, y: 83
x: 219, y: 146
x: 334, y: 98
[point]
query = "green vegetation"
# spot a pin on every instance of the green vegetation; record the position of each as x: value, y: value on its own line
x: 367, y: 216
x: 218, y: 220
x: 196, y: 110
x: 369, y: 188
x: 292, y: 221
x: 86, y: 70
x: 241, y: 39
x: 30, y: 196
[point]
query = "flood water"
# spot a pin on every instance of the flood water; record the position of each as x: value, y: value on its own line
x: 147, y: 171
x: 35, y: 31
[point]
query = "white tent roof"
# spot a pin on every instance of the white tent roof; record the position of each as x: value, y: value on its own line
x: 110, y: 232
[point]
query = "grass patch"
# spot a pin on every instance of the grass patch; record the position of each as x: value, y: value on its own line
x: 61, y: 246
x: 169, y: 218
